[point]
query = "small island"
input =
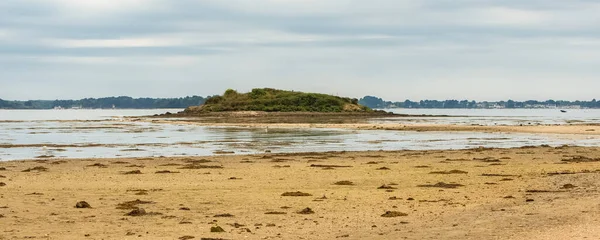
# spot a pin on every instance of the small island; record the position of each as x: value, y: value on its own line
x: 268, y: 105
x: 275, y: 100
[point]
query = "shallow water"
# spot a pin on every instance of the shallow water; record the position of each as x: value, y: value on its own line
x: 79, y: 114
x: 70, y: 134
x: 488, y: 117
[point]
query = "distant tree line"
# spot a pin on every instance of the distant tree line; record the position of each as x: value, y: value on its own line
x: 104, y: 103
x: 375, y: 102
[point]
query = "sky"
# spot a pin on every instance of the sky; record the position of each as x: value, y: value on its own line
x: 394, y: 49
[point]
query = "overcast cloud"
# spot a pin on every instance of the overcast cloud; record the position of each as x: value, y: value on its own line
x: 395, y: 49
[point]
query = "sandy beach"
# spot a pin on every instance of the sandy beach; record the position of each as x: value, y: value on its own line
x: 522, y: 193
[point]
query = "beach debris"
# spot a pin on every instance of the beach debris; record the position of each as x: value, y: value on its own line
x: 133, y: 172
x: 580, y: 159
x: 195, y: 161
x: 100, y: 165
x: 449, y: 172
x: 223, y: 152
x: 487, y: 159
x: 236, y: 225
x: 391, y: 214
x: 568, y: 186
x: 306, y: 211
x: 224, y: 215
x: 164, y: 171
x: 196, y: 166
x: 136, y: 212
x: 497, y: 175
x: 569, y: 172
x: 295, y: 194
x: 442, y: 185
x: 217, y: 229
x: 2, y: 184
x: 328, y: 166
x: 275, y: 213
x: 542, y: 191
x: 187, y: 237
x: 82, y: 204
x: 37, y: 169
x: 135, y: 166
x: 132, y: 204
x: 344, y: 183
x: 386, y: 187
x: 120, y: 162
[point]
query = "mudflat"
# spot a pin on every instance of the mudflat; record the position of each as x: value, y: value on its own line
x: 521, y: 193
x: 362, y: 124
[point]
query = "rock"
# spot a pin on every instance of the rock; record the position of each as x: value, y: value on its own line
x: 391, y: 214
x: 136, y: 212
x: 217, y: 229
x: 306, y: 211
x: 83, y: 204
x: 224, y: 215
x: 295, y: 194
x: 133, y: 172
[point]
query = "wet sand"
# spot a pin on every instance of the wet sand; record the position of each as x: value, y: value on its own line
x: 579, y: 129
x: 522, y: 193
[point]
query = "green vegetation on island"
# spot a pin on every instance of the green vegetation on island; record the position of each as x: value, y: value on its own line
x: 274, y: 100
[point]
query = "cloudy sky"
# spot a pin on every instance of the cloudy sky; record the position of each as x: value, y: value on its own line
x: 395, y: 49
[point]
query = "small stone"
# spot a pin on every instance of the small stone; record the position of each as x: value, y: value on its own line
x: 306, y: 211
x: 217, y: 229
x: 136, y: 212
x: 390, y: 214
x: 83, y: 204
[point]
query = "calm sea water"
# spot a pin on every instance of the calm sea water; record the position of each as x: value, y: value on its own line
x: 79, y: 114
x: 104, y: 134
x: 498, y: 116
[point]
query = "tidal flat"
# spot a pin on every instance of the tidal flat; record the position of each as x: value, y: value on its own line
x: 172, y: 178
x: 481, y: 193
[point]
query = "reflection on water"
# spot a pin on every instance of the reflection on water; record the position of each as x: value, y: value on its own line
x: 26, y: 134
x: 102, y: 139
x: 489, y: 117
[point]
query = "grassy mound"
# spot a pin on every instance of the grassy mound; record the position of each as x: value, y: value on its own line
x: 274, y: 100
